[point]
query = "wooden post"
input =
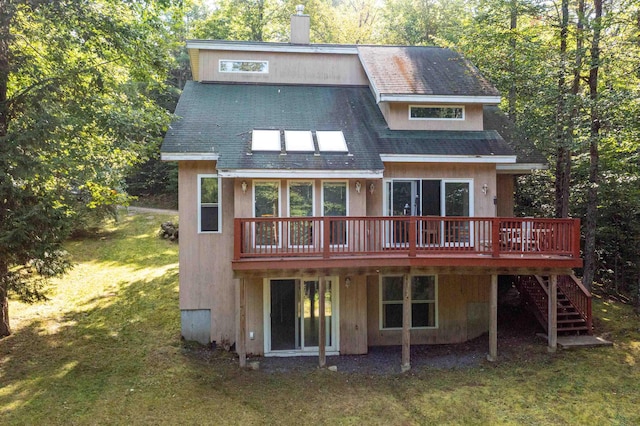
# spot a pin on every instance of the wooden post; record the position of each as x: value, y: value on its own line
x: 493, y: 320
x: 553, y: 314
x: 406, y: 323
x: 242, y: 335
x: 322, y: 358
x: 495, y: 237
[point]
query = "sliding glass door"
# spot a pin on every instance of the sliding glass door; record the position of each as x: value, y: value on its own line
x: 293, y: 315
x: 430, y: 197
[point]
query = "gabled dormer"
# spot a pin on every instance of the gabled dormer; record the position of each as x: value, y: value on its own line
x: 426, y: 88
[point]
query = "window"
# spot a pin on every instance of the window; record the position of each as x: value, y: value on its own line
x: 449, y: 198
x: 423, y: 302
x: 331, y: 141
x: 265, y: 140
x: 300, y: 205
x: 436, y: 113
x: 298, y: 140
x: 209, y: 218
x: 334, y: 203
x: 246, y: 66
x: 266, y: 201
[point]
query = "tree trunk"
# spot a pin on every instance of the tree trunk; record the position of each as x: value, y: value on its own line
x: 594, y: 156
x: 512, y: 61
x: 6, y: 15
x: 5, y: 328
x: 563, y: 155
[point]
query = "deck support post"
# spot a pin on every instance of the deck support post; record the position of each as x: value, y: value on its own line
x: 242, y: 335
x: 322, y: 358
x: 552, y: 329
x: 406, y: 323
x: 493, y: 320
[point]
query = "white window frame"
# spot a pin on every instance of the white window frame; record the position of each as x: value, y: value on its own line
x: 219, y: 203
x: 386, y: 183
x: 334, y: 349
x: 253, y: 209
x: 381, y: 302
x: 313, y: 209
x: 313, y: 196
x: 440, y: 107
x: 264, y: 71
x: 346, y: 184
x: 470, y: 181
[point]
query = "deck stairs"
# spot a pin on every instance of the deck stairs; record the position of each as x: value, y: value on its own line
x: 574, y: 302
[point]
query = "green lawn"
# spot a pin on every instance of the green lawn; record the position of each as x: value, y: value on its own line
x: 106, y: 349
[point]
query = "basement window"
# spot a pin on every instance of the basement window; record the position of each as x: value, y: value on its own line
x: 423, y: 302
x: 436, y: 112
x: 244, y: 66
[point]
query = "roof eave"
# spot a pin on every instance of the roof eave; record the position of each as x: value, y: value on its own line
x: 272, y: 47
x: 463, y: 99
x: 189, y: 156
x: 413, y: 158
x: 520, y: 168
x: 300, y: 173
x: 372, y: 83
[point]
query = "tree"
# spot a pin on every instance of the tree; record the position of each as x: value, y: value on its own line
x: 594, y: 155
x: 74, y: 116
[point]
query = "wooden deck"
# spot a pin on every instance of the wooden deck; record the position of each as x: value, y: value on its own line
x: 507, y: 244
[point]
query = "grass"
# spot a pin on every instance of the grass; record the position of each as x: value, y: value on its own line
x: 106, y: 349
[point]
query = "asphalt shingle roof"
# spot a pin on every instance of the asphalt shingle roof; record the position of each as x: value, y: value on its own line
x: 219, y: 118
x: 495, y: 119
x: 413, y: 70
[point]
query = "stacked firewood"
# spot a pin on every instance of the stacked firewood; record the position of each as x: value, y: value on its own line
x: 169, y: 231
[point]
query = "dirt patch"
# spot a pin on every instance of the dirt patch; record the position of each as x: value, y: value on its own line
x: 516, y: 335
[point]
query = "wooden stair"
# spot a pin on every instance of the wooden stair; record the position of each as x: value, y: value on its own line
x: 574, y: 302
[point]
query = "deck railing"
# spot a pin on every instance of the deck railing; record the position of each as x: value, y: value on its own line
x: 330, y: 237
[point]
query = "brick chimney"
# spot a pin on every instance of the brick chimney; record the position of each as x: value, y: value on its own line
x: 300, y: 26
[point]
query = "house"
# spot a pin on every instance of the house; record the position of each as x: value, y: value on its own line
x: 337, y: 197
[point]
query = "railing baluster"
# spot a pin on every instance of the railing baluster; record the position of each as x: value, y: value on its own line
x: 340, y: 236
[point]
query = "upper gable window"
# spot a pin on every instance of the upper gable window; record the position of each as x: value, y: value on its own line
x: 419, y: 112
x: 261, y: 67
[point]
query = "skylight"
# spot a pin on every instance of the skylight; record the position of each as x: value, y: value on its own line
x: 265, y: 140
x: 298, y: 140
x: 331, y: 141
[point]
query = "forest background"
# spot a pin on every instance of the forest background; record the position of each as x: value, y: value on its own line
x: 87, y: 90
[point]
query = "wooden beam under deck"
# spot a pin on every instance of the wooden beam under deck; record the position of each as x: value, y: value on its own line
x: 397, y: 265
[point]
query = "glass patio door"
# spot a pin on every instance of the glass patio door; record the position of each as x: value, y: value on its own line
x: 403, y: 199
x: 430, y: 197
x: 309, y: 315
x: 294, y: 315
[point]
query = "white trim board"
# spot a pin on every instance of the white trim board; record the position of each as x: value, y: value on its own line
x: 271, y: 47
x: 189, y: 156
x: 416, y: 158
x: 299, y: 174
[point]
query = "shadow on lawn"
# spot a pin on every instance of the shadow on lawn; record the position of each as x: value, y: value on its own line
x: 56, y: 366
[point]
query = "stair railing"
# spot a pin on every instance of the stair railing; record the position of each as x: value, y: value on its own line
x: 579, y: 297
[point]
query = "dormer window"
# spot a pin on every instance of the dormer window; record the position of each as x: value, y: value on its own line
x: 422, y: 112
